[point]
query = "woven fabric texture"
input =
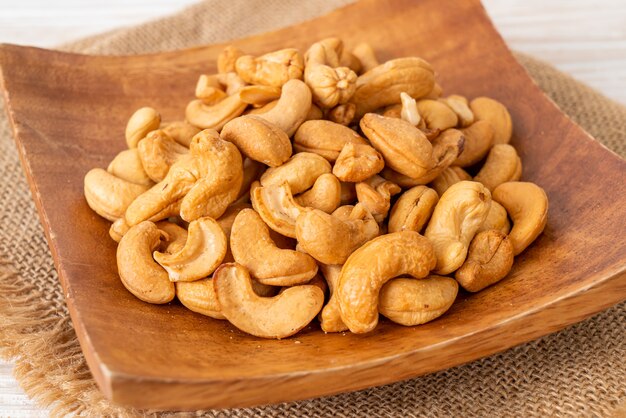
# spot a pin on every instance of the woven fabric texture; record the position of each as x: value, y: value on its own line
x: 579, y: 371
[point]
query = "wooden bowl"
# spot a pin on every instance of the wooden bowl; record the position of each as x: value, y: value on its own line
x: 69, y: 111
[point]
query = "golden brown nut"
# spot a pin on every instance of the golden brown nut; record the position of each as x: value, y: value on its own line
x: 325, y: 138
x: 258, y: 139
x: 214, y: 116
x: 502, y: 165
x: 209, y: 90
x: 254, y: 249
x: 404, y: 147
x: 158, y: 152
x: 357, y: 162
x: 118, y: 229
x: 325, y: 194
x: 497, y: 219
x: 315, y: 113
x: 330, y: 317
x: 375, y: 195
x: 127, y: 166
x: 330, y: 239
x: 144, y: 120
x: 413, y: 209
x: 199, y: 297
x: 110, y: 196
x: 478, y: 140
x: 259, y: 95
x: 497, y: 115
x: 489, y: 260
x: 460, y: 106
x: 227, y: 58
x: 292, y: 108
x: 395, y: 110
x: 527, y: 205
x: 139, y: 273
x: 181, y: 131
x: 277, y: 317
x: 174, y: 237
x: 448, y: 177
x: 272, y: 69
x: 408, y: 301
x: 382, y: 85
x: 276, y: 205
x: 436, y: 115
x: 461, y: 210
x: 300, y: 172
x: 374, y: 264
x: 342, y: 114
x: 328, y: 51
x: 330, y: 86
x: 366, y: 56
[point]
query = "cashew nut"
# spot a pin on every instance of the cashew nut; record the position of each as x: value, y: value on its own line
x: 325, y: 138
x: 413, y: 209
x: 292, y: 108
x: 502, y: 165
x: 181, y: 131
x: 342, y: 114
x: 357, y: 162
x: 209, y: 89
x: 254, y: 249
x: 330, y: 86
x: 174, y: 238
x: 497, y: 219
x: 300, y: 172
x: 258, y: 139
x: 436, y: 115
x: 478, y: 140
x: 374, y: 264
x: 325, y: 194
x: 527, y: 205
x: 140, y: 123
x: 233, y: 83
x: 448, y: 177
x: 329, y: 238
x: 108, y: 195
x: 259, y: 95
x: 460, y: 106
x: 366, y: 56
x: 489, y: 260
x: 395, y: 110
x: 382, y: 85
x: 461, y: 210
x: 330, y: 317
x: 408, y: 110
x: 227, y: 58
x: 278, y: 317
x: 140, y: 274
x: 272, y: 69
x: 403, y: 146
x: 158, y: 152
x: 214, y: 116
x: 276, y: 205
x: 497, y: 115
x: 203, y: 251
x: 118, y: 229
x: 127, y: 166
x: 375, y: 195
x: 205, y: 183
x: 409, y: 302
x: 315, y: 113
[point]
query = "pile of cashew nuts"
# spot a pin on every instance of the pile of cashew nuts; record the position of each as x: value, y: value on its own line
x: 293, y: 176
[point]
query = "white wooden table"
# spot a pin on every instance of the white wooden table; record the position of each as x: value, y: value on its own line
x: 584, y: 38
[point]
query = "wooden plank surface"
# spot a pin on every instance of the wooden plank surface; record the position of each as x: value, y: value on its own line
x: 587, y: 40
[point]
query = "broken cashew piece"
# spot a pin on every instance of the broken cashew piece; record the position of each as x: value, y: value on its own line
x: 277, y: 317
x: 254, y: 249
x: 502, y: 165
x: 109, y: 196
x: 461, y: 211
x: 214, y: 116
x: 325, y: 194
x: 375, y: 195
x: 139, y: 273
x: 325, y: 138
x: 497, y: 115
x: 277, y: 207
x: 357, y: 162
x: 158, y: 152
x: 489, y: 260
x: 141, y: 122
x: 127, y: 166
x: 272, y: 69
x: 374, y: 264
x: 413, y: 209
x: 409, y: 302
x: 527, y: 205
x: 300, y: 172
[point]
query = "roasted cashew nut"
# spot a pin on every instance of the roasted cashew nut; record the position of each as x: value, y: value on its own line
x: 278, y: 317
x: 258, y: 139
x: 277, y: 207
x: 489, y: 260
x: 413, y: 209
x: 203, y: 251
x: 325, y: 194
x: 478, y: 140
x: 527, y: 205
x: 254, y: 249
x: 140, y: 274
x: 448, y: 177
x: 330, y: 86
x: 325, y: 138
x: 497, y: 115
x: 272, y: 69
x: 259, y: 95
x: 436, y: 115
x: 158, y: 152
x: 109, y: 196
x: 374, y: 264
x: 409, y: 302
x: 497, y: 219
x: 375, y: 195
x: 118, y: 229
x: 366, y: 56
x: 141, y: 122
x: 330, y: 317
x: 209, y: 89
x: 300, y: 172
x: 227, y: 58
x: 502, y: 165
x: 181, y: 131
x: 461, y: 107
x: 461, y: 210
x: 292, y: 108
x: 233, y: 83
x: 329, y: 238
x: 205, y: 183
x: 214, y: 116
x: 357, y: 162
x: 127, y: 166
x: 174, y: 238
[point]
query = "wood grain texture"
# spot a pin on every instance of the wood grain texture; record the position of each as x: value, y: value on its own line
x: 68, y: 113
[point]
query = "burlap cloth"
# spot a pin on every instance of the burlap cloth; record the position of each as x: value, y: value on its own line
x: 579, y: 371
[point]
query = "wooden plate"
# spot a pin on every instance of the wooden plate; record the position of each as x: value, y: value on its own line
x: 69, y: 111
